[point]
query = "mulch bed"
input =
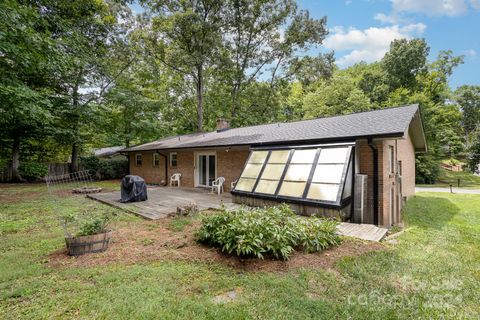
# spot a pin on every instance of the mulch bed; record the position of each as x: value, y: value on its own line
x: 151, y: 241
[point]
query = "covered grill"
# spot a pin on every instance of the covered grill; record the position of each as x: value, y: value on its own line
x: 134, y: 189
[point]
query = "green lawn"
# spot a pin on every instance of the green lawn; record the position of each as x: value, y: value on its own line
x: 447, y: 178
x: 433, y: 272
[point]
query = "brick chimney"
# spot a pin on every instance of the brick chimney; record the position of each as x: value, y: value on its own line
x: 222, y: 124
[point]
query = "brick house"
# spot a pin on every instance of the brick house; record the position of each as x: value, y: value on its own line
x: 360, y: 167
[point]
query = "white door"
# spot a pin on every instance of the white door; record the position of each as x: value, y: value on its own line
x: 206, y: 169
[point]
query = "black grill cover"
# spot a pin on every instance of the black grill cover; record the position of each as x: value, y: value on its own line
x: 134, y: 189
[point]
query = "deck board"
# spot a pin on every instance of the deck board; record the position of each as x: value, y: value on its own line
x: 163, y: 201
x: 368, y: 232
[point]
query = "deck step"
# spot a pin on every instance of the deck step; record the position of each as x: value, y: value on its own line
x: 368, y: 232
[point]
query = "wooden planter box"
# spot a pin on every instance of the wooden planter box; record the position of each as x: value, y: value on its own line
x: 87, y: 244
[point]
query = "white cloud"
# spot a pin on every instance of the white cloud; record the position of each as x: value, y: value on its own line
x: 470, y: 53
x: 370, y: 44
x: 434, y: 7
x: 475, y: 4
x: 385, y: 18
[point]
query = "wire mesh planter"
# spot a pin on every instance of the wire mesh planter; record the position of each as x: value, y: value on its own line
x: 84, y: 231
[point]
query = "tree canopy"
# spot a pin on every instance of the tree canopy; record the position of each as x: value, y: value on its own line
x: 76, y: 75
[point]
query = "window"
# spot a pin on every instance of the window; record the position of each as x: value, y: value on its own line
x: 173, y: 159
x: 311, y: 174
x: 138, y: 160
x: 328, y: 174
x: 391, y: 160
x: 156, y: 159
x: 251, y: 171
x: 273, y: 172
x: 297, y: 174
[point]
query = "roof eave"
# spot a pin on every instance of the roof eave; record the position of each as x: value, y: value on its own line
x: 281, y: 143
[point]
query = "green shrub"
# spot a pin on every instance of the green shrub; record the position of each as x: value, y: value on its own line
x: 105, y: 169
x: 94, y: 226
x: 427, y: 169
x: 92, y: 164
x: 33, y: 171
x: 273, y: 231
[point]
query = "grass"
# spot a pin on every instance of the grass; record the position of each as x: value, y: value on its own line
x: 433, y: 272
x: 179, y: 223
x: 447, y: 178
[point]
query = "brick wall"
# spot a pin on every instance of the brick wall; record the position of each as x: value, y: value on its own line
x: 147, y: 171
x: 403, y: 151
x: 229, y: 166
x: 406, y: 154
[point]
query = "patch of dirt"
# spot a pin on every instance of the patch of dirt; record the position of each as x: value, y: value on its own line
x: 150, y: 241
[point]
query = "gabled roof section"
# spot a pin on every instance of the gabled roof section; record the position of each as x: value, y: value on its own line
x: 392, y: 122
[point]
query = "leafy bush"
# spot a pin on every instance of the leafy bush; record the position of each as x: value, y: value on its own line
x: 94, y: 226
x: 85, y: 223
x: 105, y: 169
x: 33, y: 171
x: 427, y: 169
x: 258, y: 232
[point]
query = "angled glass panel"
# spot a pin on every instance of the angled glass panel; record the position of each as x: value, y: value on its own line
x: 245, y: 184
x: 333, y: 155
x: 266, y: 186
x: 279, y: 156
x: 292, y: 189
x: 273, y: 171
x: 304, y: 156
x: 258, y: 157
x: 298, y: 172
x: 251, y: 170
x: 321, y: 191
x: 347, y: 188
x: 329, y: 173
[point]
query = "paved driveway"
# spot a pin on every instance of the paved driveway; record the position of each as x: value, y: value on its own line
x: 454, y: 190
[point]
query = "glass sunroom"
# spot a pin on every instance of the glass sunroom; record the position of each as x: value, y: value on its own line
x: 312, y: 179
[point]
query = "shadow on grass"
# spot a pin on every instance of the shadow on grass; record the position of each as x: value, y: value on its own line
x: 429, y: 212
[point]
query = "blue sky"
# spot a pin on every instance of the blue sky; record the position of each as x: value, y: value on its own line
x: 362, y: 29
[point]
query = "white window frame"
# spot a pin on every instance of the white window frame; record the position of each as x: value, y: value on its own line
x: 156, y: 155
x: 136, y: 159
x: 176, y: 159
x: 197, y: 170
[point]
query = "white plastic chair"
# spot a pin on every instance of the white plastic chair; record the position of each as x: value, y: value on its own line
x: 232, y: 185
x: 218, y: 184
x: 175, y: 178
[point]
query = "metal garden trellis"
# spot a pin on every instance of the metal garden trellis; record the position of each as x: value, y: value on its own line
x: 64, y: 185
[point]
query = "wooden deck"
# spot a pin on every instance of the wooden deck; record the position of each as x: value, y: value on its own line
x: 165, y: 200
x: 362, y: 231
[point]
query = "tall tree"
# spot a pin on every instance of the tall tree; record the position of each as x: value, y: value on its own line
x: 340, y: 95
x: 404, y: 61
x: 86, y: 35
x: 186, y: 37
x: 266, y: 35
x: 27, y: 61
x: 468, y: 97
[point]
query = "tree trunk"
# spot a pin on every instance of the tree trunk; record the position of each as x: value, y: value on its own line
x: 200, y: 98
x: 16, y: 160
x: 74, y: 163
x: 233, y: 113
x: 75, y: 102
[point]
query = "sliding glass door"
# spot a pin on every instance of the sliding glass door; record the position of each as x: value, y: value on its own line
x: 206, y: 169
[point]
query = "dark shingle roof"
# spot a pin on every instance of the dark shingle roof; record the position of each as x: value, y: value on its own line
x: 385, y: 122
